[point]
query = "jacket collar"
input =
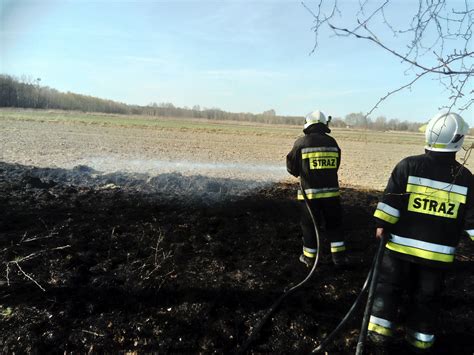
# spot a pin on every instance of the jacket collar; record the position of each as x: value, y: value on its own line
x: 441, y: 156
x: 317, y: 128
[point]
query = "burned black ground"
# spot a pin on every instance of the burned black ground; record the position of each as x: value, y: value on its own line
x: 179, y: 264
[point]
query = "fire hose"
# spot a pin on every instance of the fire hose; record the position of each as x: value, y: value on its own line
x: 371, y: 279
x: 290, y: 291
x: 370, y: 297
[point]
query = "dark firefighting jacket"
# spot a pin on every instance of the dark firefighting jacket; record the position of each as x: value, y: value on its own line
x: 427, y: 205
x: 316, y: 158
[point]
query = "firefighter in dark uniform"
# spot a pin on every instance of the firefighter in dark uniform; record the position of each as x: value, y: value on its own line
x: 316, y: 158
x: 427, y: 206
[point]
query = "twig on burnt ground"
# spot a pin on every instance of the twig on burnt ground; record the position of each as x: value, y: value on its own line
x: 150, y: 266
x: 16, y: 262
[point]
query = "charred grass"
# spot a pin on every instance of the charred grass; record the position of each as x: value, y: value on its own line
x: 177, y: 264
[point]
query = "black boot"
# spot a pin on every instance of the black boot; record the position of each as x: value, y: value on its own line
x: 307, y: 261
x: 340, y: 260
x: 379, y: 344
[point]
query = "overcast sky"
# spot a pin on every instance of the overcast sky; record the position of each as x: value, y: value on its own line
x: 240, y: 56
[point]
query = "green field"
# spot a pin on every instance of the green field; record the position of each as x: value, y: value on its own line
x: 145, y: 121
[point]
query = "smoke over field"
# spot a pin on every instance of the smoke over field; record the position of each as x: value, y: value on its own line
x: 257, y: 172
x: 166, y: 186
x: 102, y: 251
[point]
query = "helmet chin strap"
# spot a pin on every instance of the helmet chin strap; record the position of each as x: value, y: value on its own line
x: 457, y: 138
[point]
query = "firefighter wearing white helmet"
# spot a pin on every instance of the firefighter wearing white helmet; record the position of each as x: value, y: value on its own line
x: 445, y: 133
x: 315, y: 117
x: 316, y: 158
x: 427, y: 206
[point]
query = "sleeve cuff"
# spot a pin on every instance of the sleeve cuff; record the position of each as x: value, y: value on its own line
x: 387, y: 213
x: 470, y: 232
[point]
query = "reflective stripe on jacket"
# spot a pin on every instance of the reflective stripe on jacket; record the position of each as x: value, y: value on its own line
x: 427, y: 205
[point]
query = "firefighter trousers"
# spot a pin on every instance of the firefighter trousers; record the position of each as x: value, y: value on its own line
x: 328, y: 215
x: 407, y: 293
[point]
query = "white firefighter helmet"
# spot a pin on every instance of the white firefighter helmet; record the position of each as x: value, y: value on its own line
x: 445, y: 132
x: 315, y: 117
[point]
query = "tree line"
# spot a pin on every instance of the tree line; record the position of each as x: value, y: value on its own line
x: 380, y: 123
x: 27, y: 92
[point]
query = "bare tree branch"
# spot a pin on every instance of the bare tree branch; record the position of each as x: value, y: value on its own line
x: 320, y: 20
x: 390, y: 93
x: 437, y: 69
x: 437, y: 38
